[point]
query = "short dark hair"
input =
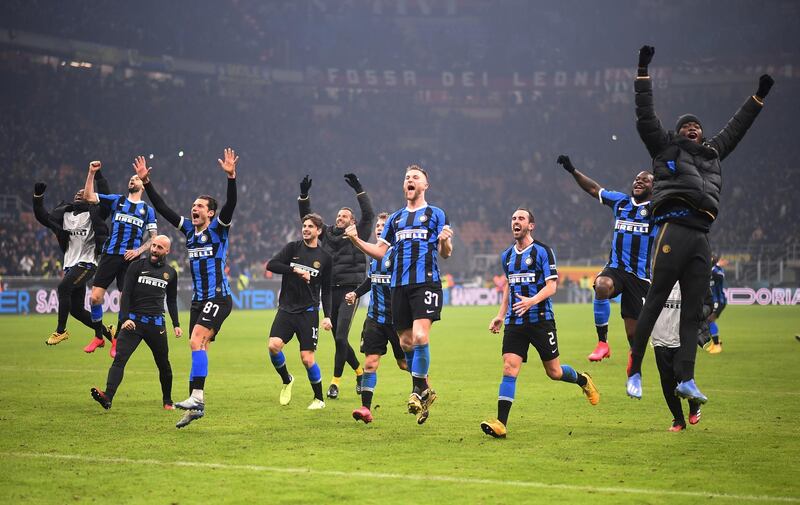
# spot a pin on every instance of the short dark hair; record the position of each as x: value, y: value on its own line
x: 417, y: 167
x: 314, y: 218
x: 382, y: 215
x: 212, y: 202
x: 530, y: 213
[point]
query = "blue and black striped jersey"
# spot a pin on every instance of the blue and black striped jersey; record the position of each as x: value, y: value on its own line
x: 633, y: 233
x: 718, y: 285
x: 380, y: 278
x: 415, y: 237
x: 208, y: 251
x: 129, y: 220
x: 527, y: 272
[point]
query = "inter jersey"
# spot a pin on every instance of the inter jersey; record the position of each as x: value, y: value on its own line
x: 380, y: 300
x: 633, y: 233
x: 414, y: 234
x: 129, y: 220
x: 208, y: 251
x: 718, y: 285
x: 527, y: 272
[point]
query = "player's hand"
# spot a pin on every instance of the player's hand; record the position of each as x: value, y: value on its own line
x: 303, y: 274
x: 351, y: 231
x: 646, y: 56
x: 229, y: 164
x: 350, y: 298
x: 128, y: 325
x: 565, y: 163
x: 178, y: 332
x: 353, y: 182
x: 94, y: 166
x: 496, y: 324
x: 765, y: 83
x: 305, y: 185
x: 131, y: 254
x: 326, y: 324
x: 39, y: 188
x: 141, y: 169
x: 522, y: 306
x: 446, y: 233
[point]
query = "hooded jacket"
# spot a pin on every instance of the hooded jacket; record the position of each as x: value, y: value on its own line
x: 349, y: 263
x: 688, y: 176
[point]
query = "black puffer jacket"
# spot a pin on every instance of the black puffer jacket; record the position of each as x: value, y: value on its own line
x: 54, y: 220
x: 688, y: 174
x: 349, y: 263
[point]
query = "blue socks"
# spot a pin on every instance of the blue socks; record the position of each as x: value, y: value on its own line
x: 278, y: 360
x: 714, y: 329
x: 508, y: 387
x: 602, y: 311
x: 314, y: 374
x: 409, y: 358
x: 369, y: 381
x: 421, y: 362
x: 97, y: 313
x: 568, y: 374
x: 199, y: 364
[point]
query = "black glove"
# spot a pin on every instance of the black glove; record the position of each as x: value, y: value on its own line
x: 305, y: 185
x: 564, y: 161
x: 39, y: 188
x: 353, y: 182
x: 645, y: 57
x: 765, y: 83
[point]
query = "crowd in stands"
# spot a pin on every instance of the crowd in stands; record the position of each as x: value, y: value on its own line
x: 58, y: 118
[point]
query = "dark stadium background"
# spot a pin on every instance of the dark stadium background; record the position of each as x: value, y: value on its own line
x: 485, y: 95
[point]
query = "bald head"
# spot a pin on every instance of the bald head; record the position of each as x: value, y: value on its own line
x: 159, y: 248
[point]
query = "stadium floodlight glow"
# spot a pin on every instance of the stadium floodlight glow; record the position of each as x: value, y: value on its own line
x: 151, y: 156
x: 180, y: 154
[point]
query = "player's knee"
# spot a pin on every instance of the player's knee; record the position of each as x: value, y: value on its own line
x: 307, y: 359
x: 420, y: 337
x: 96, y: 297
x: 603, y: 287
x: 554, y: 373
x: 371, y: 363
x: 510, y: 369
x: 275, y: 345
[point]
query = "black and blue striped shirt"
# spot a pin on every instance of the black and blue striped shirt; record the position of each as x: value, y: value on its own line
x: 129, y: 220
x: 718, y: 285
x: 633, y: 233
x: 380, y: 300
x: 527, y: 272
x: 208, y: 251
x: 415, y: 237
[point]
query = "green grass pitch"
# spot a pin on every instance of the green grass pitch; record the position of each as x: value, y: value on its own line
x: 59, y: 446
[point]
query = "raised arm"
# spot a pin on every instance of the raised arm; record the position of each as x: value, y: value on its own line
x: 228, y: 165
x: 88, y: 189
x: 367, y: 218
x: 41, y: 214
x: 587, y: 184
x: 377, y: 251
x: 654, y: 136
x: 303, y: 201
x: 728, y: 138
x: 143, y: 171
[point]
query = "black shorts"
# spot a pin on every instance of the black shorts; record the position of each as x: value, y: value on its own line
x: 210, y: 314
x: 633, y: 290
x: 110, y: 267
x: 417, y: 301
x: 541, y: 335
x: 375, y: 336
x: 303, y: 324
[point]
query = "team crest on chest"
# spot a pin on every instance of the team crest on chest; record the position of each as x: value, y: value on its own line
x: 166, y: 276
x: 529, y: 261
x: 387, y: 263
x: 141, y: 211
x: 203, y: 238
x: 423, y: 218
x: 317, y: 264
x: 643, y: 212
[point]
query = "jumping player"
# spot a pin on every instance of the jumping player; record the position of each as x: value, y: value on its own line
x: 206, y: 234
x: 628, y: 269
x: 532, y: 278
x: 130, y: 217
x: 419, y: 233
x: 305, y: 268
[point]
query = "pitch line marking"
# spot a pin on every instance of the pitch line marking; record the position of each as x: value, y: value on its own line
x: 397, y: 476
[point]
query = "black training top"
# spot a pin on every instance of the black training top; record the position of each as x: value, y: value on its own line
x: 146, y: 286
x: 298, y: 295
